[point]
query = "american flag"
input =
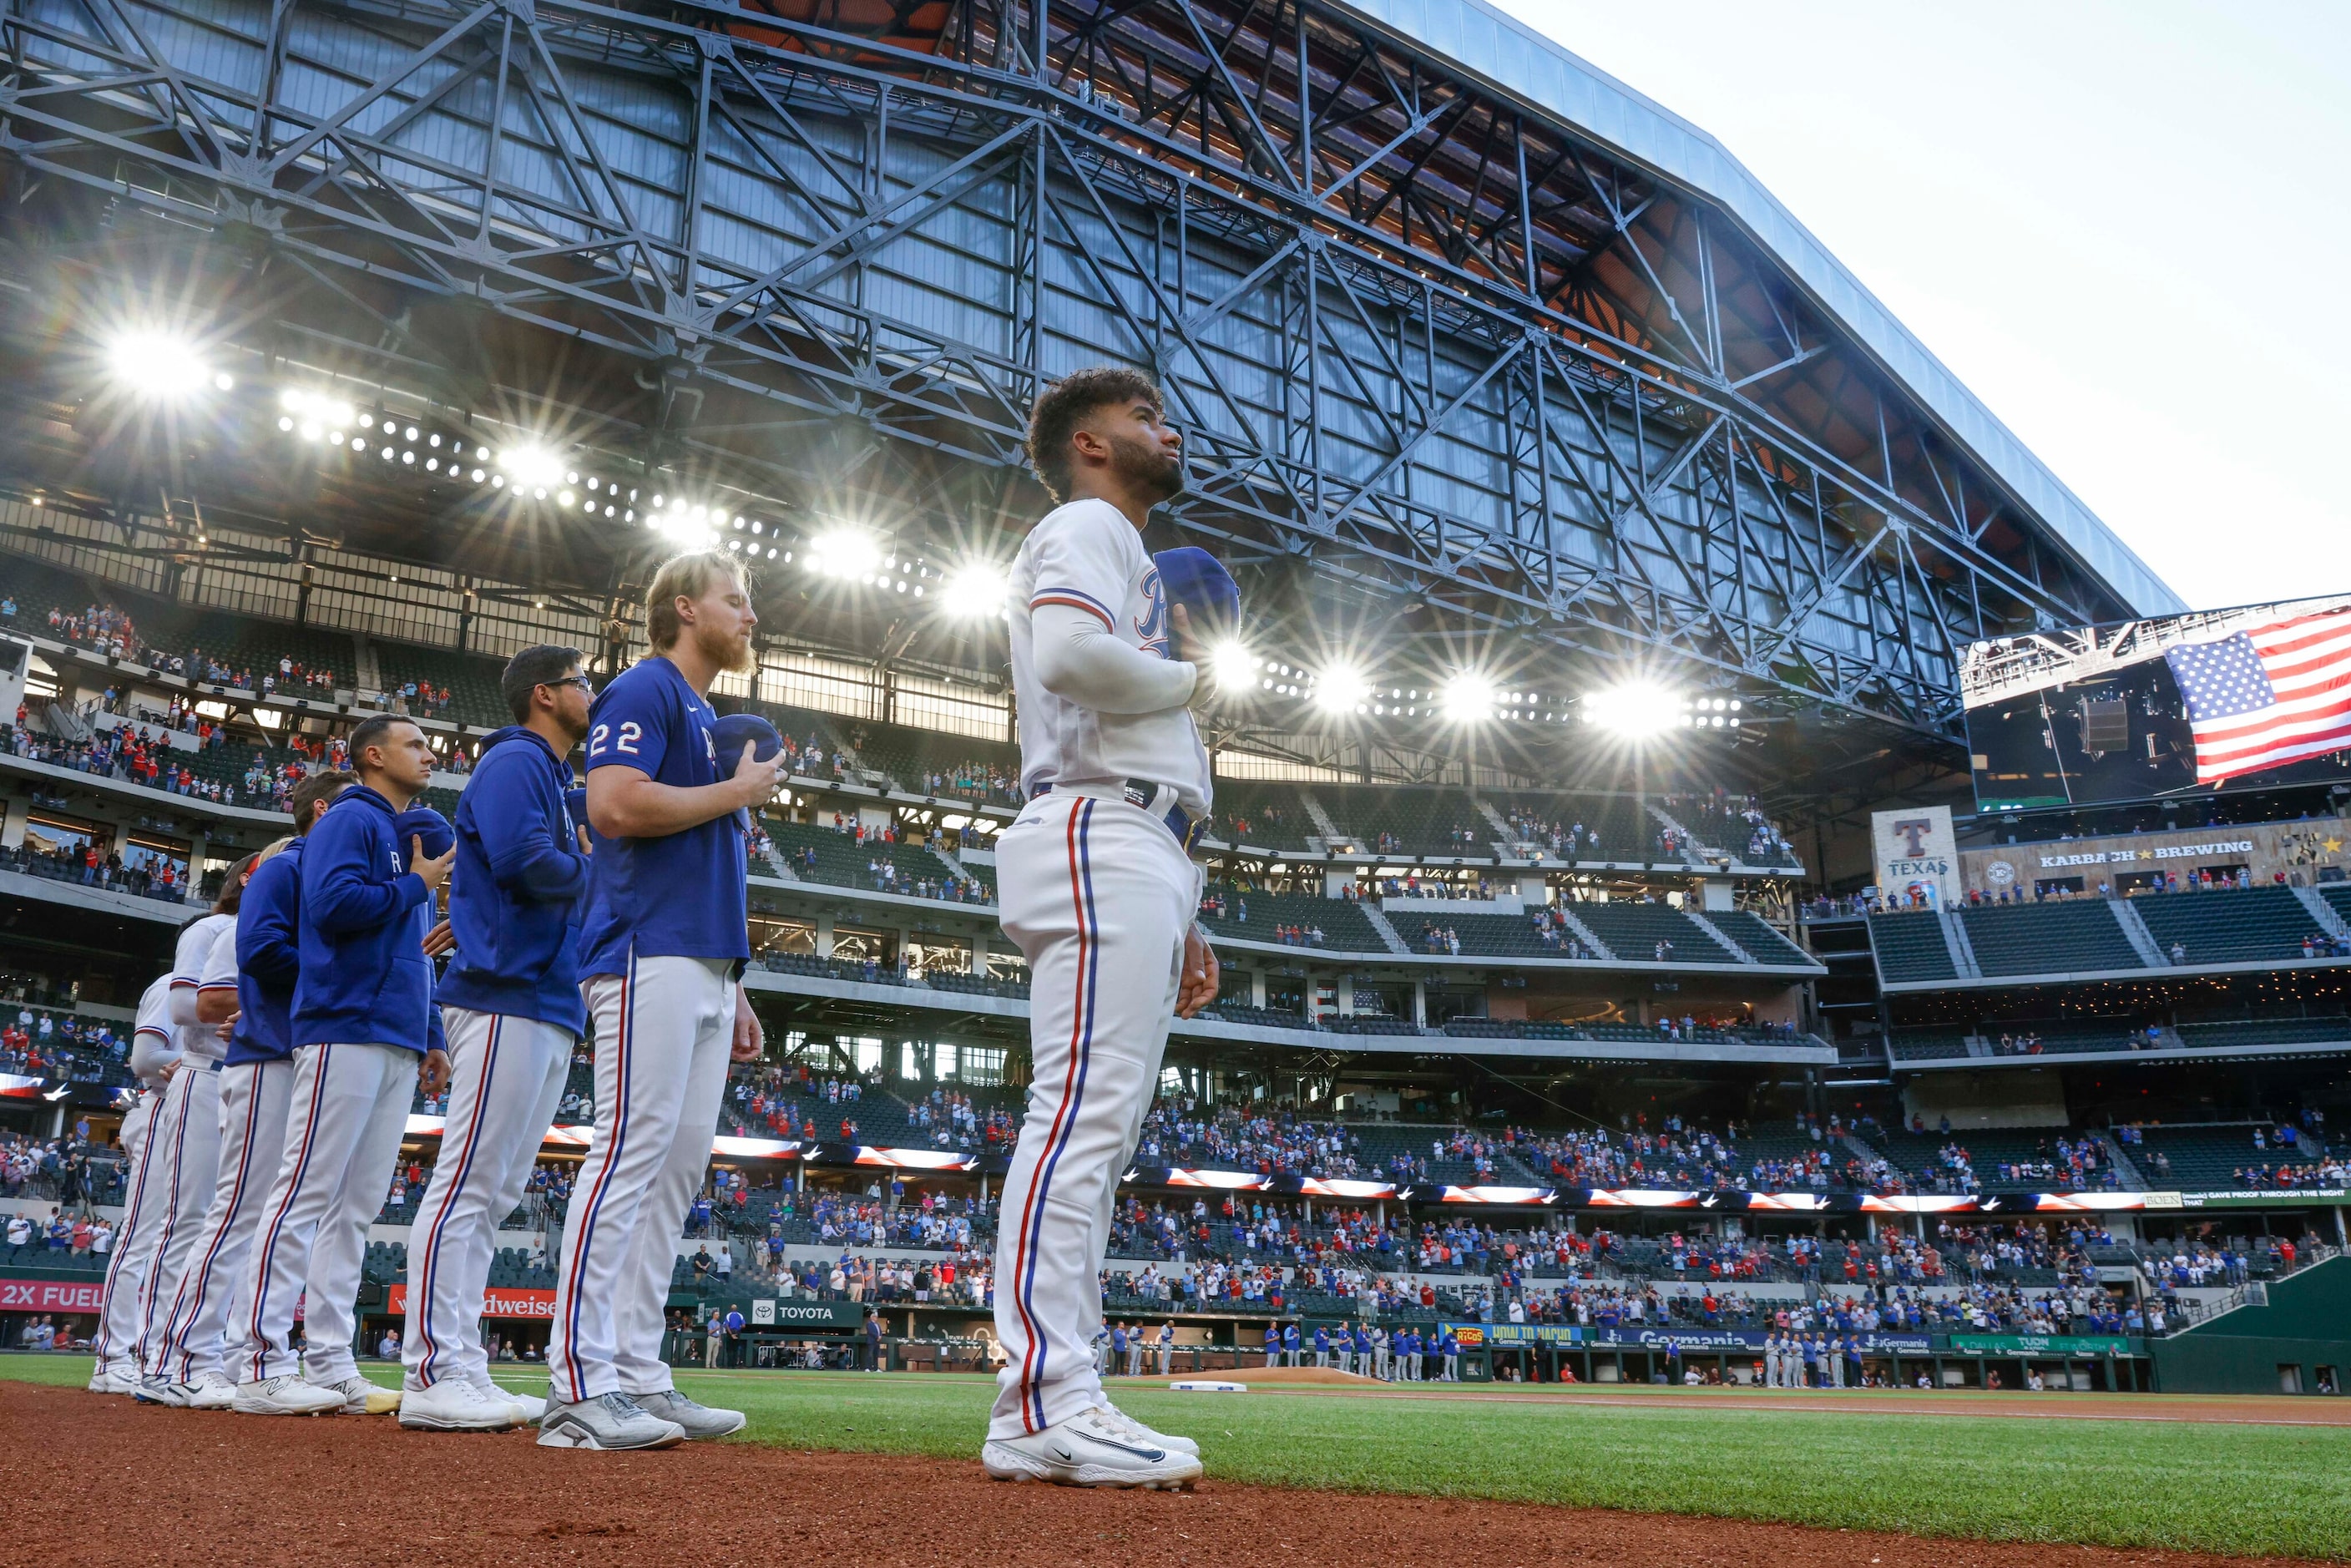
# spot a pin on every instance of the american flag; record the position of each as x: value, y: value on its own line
x: 2263, y: 698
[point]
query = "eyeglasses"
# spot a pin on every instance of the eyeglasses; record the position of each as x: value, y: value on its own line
x: 580, y: 681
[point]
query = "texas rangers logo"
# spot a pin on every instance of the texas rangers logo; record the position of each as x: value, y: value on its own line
x: 1151, y: 626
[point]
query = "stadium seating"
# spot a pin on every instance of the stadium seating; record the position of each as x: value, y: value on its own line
x: 471, y: 681
x: 1267, y: 815
x: 2234, y: 925
x: 2066, y: 936
x: 2339, y: 897
x: 1631, y: 931
x: 909, y: 756
x: 2210, y: 1155
x: 1763, y: 944
x: 1344, y: 929
x: 1616, y: 827
x: 1910, y: 947
x: 1421, y: 821
x: 1986, y: 1150
x: 2266, y: 1031
x: 841, y: 861
x: 1485, y: 935
x: 1261, y: 1018
x: 1927, y: 1044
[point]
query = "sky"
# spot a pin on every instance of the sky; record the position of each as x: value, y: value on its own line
x: 2126, y: 227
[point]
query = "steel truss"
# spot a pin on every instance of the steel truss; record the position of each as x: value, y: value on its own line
x: 1430, y: 347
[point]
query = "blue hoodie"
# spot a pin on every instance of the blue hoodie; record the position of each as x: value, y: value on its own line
x: 365, y: 977
x: 518, y: 890
x: 269, y: 960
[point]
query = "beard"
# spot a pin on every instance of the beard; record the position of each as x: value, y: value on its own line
x: 729, y: 651
x: 1144, y: 468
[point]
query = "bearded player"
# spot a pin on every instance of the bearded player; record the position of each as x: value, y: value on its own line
x: 1097, y: 890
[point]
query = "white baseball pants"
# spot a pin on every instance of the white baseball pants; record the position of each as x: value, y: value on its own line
x: 663, y: 1033
x: 253, y: 1100
x: 190, y: 1119
x: 1097, y: 894
x: 506, y: 1076
x: 343, y: 1123
x: 144, y: 1197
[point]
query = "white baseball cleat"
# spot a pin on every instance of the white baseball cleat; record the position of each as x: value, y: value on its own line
x: 362, y: 1397
x: 531, y: 1406
x: 453, y: 1404
x: 1150, y: 1435
x: 606, y: 1421
x: 210, y: 1391
x: 700, y: 1421
x: 1095, y: 1448
x: 106, y: 1378
x: 160, y: 1391
x: 286, y: 1395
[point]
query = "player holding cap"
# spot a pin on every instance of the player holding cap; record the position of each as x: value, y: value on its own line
x: 363, y: 1023
x: 1099, y: 891
x: 662, y: 950
x: 190, y: 1119
x: 248, y: 981
x: 154, y: 1060
x: 511, y: 1007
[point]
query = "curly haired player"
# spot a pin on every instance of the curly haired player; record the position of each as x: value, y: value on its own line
x: 1098, y: 889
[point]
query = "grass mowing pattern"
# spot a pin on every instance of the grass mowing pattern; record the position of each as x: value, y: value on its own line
x: 2240, y: 1490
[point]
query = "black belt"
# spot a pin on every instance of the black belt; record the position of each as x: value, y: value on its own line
x: 1140, y: 793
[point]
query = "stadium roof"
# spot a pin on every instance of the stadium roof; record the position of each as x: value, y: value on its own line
x: 1520, y: 61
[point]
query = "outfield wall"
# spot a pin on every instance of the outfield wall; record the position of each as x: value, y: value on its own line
x: 2285, y: 1345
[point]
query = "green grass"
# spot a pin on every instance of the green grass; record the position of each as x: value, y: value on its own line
x: 2246, y: 1489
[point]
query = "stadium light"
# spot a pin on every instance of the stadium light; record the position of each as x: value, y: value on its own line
x: 1341, y: 688
x: 1636, y: 710
x: 1710, y: 712
x: 1467, y: 698
x: 1234, y: 668
x: 530, y: 465
x: 974, y: 591
x: 846, y: 552
x: 160, y: 367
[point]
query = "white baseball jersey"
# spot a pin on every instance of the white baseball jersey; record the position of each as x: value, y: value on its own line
x: 154, y: 1042
x: 219, y: 972
x: 1088, y: 557
x: 200, y: 1041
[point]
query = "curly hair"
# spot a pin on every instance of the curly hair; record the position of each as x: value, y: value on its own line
x: 1062, y: 407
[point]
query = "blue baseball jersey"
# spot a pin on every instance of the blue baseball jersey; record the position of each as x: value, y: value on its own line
x: 681, y: 895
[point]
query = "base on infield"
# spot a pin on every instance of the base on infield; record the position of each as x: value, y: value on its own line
x: 1208, y: 1385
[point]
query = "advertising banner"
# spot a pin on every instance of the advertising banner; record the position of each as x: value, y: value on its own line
x: 1916, y: 853
x: 1510, y: 1336
x: 2040, y: 1345
x: 52, y: 1295
x: 497, y: 1301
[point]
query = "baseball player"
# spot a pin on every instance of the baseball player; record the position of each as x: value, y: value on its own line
x: 364, y: 1033
x: 512, y: 1011
x: 190, y: 1118
x: 1098, y: 891
x: 662, y: 950
x: 154, y: 1060
x: 248, y: 981
x: 1166, y: 1348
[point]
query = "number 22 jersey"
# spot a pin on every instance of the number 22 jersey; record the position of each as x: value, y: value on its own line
x: 681, y: 894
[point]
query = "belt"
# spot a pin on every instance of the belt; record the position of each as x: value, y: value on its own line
x: 1159, y: 800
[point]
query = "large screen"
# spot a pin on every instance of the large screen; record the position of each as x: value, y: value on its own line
x: 2251, y: 698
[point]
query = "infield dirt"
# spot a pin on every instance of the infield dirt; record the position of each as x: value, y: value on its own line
x: 104, y: 1482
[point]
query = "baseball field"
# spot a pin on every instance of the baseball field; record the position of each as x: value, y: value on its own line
x: 880, y: 1468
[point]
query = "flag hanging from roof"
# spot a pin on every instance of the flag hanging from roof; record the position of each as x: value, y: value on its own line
x: 2263, y: 698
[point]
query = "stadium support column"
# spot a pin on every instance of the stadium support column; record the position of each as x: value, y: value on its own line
x: 979, y: 953
x: 824, y: 936
x: 12, y: 823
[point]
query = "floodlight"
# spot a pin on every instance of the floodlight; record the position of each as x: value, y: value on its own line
x: 844, y: 553
x: 1467, y: 698
x: 160, y: 367
x: 1234, y: 668
x: 975, y: 590
x: 1635, y: 709
x: 531, y: 465
x: 1341, y: 688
